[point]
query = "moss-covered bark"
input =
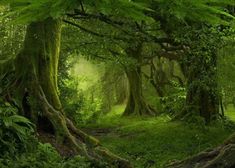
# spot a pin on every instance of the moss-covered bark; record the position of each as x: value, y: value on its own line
x: 202, y: 87
x: 108, y: 97
x: 136, y: 104
x: 204, y: 102
x: 121, y: 89
x: 36, y: 67
x: 36, y: 71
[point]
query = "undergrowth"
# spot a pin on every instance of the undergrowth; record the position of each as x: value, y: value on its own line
x: 146, y: 142
x: 153, y: 142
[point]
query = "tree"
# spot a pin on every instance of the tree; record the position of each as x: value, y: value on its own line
x: 201, y: 73
x: 200, y: 61
x: 170, y: 17
x: 37, y: 79
x: 121, y: 88
x: 136, y: 105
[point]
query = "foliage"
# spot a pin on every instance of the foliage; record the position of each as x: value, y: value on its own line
x: 225, y: 69
x: 15, y: 131
x: 11, y: 41
x: 203, y: 11
x: 43, y: 156
x: 174, y: 103
x: 30, y: 10
x: 20, y: 149
x: 200, y: 65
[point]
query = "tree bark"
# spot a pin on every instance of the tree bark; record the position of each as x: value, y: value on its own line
x: 108, y: 98
x: 136, y: 105
x: 203, y: 102
x: 121, y: 89
x: 202, y: 97
x: 36, y: 69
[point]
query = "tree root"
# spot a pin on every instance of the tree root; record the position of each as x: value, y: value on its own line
x: 140, y: 108
x: 81, y: 142
x: 221, y: 157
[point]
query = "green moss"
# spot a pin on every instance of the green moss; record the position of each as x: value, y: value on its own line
x: 230, y: 113
x: 156, y: 141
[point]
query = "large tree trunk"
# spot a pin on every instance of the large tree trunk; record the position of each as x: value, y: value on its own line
x: 108, y: 98
x: 36, y: 70
x: 121, y: 89
x: 222, y: 156
x: 136, y: 104
x: 204, y: 102
x: 202, y: 97
x: 36, y: 67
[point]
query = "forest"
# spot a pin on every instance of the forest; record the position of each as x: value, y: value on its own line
x: 117, y: 83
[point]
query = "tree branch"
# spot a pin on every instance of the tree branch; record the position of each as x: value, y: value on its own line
x: 93, y: 32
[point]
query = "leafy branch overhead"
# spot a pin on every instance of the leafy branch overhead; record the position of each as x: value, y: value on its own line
x: 30, y: 10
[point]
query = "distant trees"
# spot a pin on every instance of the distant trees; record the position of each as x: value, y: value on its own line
x: 197, y: 47
x: 163, y: 26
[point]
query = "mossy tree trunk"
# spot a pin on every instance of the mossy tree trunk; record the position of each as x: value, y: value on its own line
x: 121, y: 89
x: 36, y: 72
x: 108, y: 97
x: 136, y: 104
x: 204, y: 102
x: 36, y: 67
x: 202, y: 88
x: 199, y: 66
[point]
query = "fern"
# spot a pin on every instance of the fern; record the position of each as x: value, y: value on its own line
x: 31, y: 10
x: 14, y: 130
x: 209, y: 11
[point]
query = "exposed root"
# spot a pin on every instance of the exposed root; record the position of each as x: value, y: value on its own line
x: 112, y: 158
x: 220, y: 157
x: 139, y: 108
x: 82, y: 143
x: 89, y: 140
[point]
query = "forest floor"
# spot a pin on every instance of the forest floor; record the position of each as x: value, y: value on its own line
x: 153, y: 142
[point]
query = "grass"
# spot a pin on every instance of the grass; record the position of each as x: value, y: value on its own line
x: 230, y: 112
x: 153, y: 142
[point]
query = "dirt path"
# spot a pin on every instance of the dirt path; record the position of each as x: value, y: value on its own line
x: 100, y: 132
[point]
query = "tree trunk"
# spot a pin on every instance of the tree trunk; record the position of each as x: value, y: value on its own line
x: 136, y: 105
x: 121, y: 89
x: 202, y: 97
x: 222, y: 156
x: 36, y: 67
x: 36, y: 70
x: 108, y: 97
x: 203, y: 102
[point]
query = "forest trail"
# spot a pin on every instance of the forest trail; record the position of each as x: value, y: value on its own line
x: 100, y: 132
x: 130, y: 138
